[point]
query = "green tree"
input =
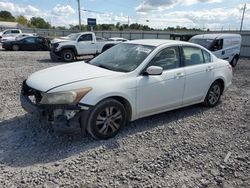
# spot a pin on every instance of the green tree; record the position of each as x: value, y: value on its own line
x: 39, y: 22
x: 22, y: 20
x: 6, y: 16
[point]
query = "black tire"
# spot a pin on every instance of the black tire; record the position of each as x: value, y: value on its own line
x: 68, y: 55
x: 106, y: 119
x: 213, y: 94
x: 15, y: 47
x: 234, y: 61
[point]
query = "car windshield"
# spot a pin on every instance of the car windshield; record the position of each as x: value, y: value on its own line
x: 123, y: 57
x: 207, y: 43
x: 73, y: 36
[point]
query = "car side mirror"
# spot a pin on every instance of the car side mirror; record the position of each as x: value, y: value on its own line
x: 154, y: 70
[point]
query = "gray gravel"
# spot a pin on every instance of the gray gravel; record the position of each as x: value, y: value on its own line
x: 190, y: 147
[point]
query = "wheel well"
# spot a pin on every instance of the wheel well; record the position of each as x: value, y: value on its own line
x: 126, y: 105
x: 68, y: 49
x: 221, y: 83
x: 237, y: 56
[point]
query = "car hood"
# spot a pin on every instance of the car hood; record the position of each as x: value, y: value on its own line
x: 58, y: 40
x: 61, y: 75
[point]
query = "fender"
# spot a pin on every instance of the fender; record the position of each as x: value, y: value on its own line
x: 72, y: 47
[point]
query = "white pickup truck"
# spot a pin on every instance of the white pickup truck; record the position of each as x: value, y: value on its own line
x: 79, y: 44
x: 9, y: 33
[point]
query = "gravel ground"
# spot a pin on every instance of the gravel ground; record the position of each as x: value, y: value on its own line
x: 190, y: 147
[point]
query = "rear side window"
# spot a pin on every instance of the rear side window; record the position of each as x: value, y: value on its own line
x: 15, y: 31
x: 192, y: 56
x: 207, y: 56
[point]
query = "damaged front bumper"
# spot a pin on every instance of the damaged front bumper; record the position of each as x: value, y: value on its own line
x: 61, y: 116
x: 55, y: 56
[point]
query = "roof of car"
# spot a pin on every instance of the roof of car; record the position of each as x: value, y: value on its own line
x: 216, y: 35
x: 157, y: 42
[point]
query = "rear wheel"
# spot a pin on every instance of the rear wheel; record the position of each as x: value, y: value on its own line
x: 106, y: 119
x: 15, y: 47
x: 68, y: 55
x: 234, y: 61
x: 213, y: 94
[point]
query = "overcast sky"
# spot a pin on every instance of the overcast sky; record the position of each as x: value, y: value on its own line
x: 212, y: 14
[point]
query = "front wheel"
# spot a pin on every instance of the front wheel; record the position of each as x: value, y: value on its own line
x: 106, y: 119
x: 234, y: 61
x: 213, y: 94
x: 68, y: 55
x: 15, y: 47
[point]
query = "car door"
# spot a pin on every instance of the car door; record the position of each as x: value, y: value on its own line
x: 157, y: 93
x: 29, y: 43
x: 86, y: 44
x: 199, y: 70
x: 218, y: 49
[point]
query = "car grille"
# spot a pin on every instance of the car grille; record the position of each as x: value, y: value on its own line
x: 34, y: 95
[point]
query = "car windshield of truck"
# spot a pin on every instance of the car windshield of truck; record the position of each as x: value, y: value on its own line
x: 207, y: 43
x: 123, y: 57
x: 72, y: 36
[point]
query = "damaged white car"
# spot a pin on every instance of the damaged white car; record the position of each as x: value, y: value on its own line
x: 132, y: 80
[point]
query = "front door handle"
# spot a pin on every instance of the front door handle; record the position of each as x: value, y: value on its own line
x: 179, y: 75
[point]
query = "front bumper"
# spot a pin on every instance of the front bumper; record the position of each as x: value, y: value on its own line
x: 54, y: 56
x: 61, y: 116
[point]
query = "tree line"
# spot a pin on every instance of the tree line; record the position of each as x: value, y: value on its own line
x: 38, y: 22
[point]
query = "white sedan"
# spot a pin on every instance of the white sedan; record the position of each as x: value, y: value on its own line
x: 129, y: 81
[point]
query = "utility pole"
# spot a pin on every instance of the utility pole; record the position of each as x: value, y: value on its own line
x: 79, y: 13
x: 242, y: 19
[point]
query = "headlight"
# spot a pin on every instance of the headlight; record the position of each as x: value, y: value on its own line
x: 67, y: 97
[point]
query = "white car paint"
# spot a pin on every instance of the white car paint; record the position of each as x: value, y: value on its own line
x: 146, y: 95
x: 230, y: 48
x: 92, y: 47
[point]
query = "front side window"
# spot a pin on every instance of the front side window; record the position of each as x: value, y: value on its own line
x: 7, y: 32
x: 85, y: 37
x: 30, y: 40
x: 192, y: 55
x: 167, y: 58
x: 218, y: 45
x: 123, y: 57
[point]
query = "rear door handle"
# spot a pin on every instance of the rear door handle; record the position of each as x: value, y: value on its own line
x: 209, y: 68
x: 179, y: 75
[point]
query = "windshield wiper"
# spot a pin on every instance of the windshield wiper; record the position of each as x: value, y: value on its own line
x: 105, y: 67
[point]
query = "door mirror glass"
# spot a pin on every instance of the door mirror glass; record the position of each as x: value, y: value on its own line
x: 154, y: 70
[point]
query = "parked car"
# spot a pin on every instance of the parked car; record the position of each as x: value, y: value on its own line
x: 79, y: 44
x: 17, y: 37
x: 9, y: 33
x: 129, y: 81
x: 223, y: 46
x: 29, y: 43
